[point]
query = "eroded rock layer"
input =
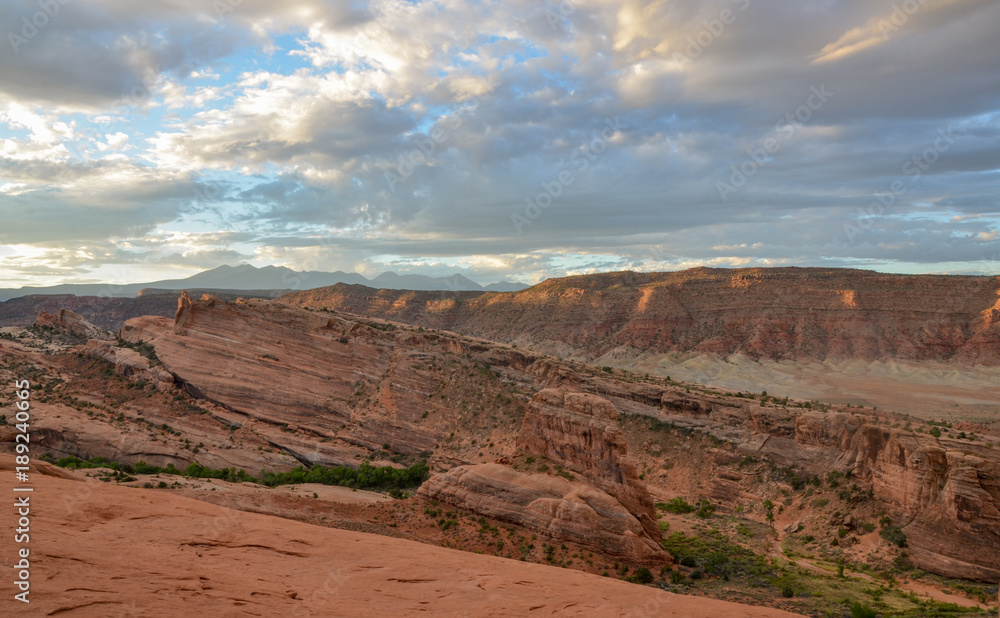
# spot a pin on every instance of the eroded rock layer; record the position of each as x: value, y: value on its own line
x: 764, y: 313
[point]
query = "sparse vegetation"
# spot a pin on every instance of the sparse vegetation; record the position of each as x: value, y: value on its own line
x: 678, y: 506
x: 365, y: 476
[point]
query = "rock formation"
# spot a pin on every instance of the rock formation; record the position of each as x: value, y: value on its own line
x: 71, y: 322
x: 573, y: 511
x: 609, y: 509
x: 946, y: 492
x: 129, y: 363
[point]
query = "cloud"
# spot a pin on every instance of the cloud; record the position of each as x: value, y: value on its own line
x: 179, y: 134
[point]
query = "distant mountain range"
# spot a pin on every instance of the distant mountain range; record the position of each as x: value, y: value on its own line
x: 247, y: 277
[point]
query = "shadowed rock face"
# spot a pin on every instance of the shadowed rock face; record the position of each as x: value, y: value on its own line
x: 763, y: 313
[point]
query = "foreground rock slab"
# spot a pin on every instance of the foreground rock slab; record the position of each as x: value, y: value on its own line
x: 103, y: 550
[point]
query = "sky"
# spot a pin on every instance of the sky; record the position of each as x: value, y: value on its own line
x: 504, y: 140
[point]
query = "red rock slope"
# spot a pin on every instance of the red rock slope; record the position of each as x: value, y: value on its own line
x: 100, y: 550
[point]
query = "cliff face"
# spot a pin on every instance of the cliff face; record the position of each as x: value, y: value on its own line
x: 607, y: 508
x: 780, y: 313
x: 577, y: 430
x: 945, y: 490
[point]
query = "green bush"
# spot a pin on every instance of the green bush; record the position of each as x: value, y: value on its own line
x: 894, y: 534
x: 705, y: 509
x: 642, y: 576
x: 678, y: 506
x: 365, y: 477
x: 860, y: 610
x: 716, y: 555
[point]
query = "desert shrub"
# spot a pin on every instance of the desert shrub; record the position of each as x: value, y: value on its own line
x: 860, y: 610
x: 642, y: 576
x: 787, y: 591
x: 676, y: 577
x: 820, y: 502
x: 705, y: 509
x: 365, y: 476
x: 678, y: 506
x: 716, y: 555
x: 566, y: 475
x: 894, y: 534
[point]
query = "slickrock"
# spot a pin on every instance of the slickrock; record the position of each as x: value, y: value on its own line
x: 951, y: 499
x: 104, y: 550
x: 129, y: 363
x: 71, y: 322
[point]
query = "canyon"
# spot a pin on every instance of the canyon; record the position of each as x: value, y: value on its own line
x: 914, y: 343
x: 582, y: 457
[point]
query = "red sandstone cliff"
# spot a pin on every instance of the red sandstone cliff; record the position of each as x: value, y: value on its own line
x: 772, y: 313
